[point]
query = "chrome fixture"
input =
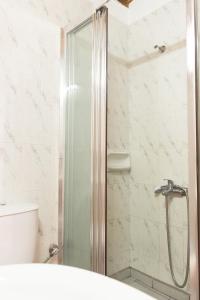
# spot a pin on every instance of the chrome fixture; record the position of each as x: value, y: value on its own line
x: 171, y: 189
x: 53, y: 251
x: 161, y: 49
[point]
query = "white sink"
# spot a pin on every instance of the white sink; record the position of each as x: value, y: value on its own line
x: 54, y: 282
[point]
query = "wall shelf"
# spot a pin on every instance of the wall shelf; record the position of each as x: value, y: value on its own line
x: 118, y: 162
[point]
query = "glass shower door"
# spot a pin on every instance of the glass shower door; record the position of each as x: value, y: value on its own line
x: 78, y: 148
x: 85, y: 145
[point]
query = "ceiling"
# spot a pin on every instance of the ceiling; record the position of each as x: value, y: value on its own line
x: 137, y: 10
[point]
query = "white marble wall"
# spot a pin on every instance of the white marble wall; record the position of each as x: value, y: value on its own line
x: 166, y: 25
x: 118, y: 234
x: 59, y: 12
x: 158, y: 141
x: 118, y: 37
x: 29, y: 81
x: 155, y: 127
x: 29, y: 106
x: 158, y: 150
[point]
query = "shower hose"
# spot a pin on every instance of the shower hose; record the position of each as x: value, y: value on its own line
x: 183, y: 284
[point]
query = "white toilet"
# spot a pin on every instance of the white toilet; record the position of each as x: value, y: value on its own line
x: 18, y: 233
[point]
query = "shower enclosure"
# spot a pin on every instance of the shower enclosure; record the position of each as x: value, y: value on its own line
x: 83, y: 160
x: 128, y: 163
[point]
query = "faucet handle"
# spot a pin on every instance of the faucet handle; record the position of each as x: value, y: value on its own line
x: 169, y: 181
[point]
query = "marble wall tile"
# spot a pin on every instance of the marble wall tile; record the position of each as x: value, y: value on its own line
x: 118, y: 36
x: 157, y: 28
x: 167, y: 144
x: 118, y: 205
x: 143, y: 202
x: 163, y: 154
x: 118, y: 106
x: 118, y: 192
x: 11, y: 180
x: 156, y: 137
x: 61, y: 12
x: 178, y: 246
x: 117, y: 260
x: 145, y: 246
x: 29, y: 106
x: 118, y: 233
x: 118, y: 244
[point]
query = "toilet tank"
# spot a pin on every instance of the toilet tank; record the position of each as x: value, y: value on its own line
x: 18, y: 233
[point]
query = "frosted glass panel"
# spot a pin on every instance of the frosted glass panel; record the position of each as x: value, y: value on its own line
x: 78, y: 149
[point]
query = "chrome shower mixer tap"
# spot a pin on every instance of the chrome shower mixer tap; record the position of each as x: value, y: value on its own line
x: 169, y: 188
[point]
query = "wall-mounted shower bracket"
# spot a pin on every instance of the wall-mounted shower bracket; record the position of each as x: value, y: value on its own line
x: 161, y: 49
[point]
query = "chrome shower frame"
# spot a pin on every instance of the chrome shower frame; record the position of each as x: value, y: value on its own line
x: 194, y: 154
x: 193, y: 143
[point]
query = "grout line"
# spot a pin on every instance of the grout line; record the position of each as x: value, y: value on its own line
x: 149, y: 56
x: 145, y: 58
x: 156, y: 54
x: 118, y: 59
